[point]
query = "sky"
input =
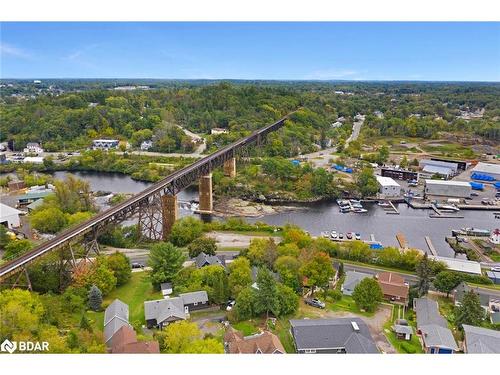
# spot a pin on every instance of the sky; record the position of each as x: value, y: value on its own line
x: 279, y: 51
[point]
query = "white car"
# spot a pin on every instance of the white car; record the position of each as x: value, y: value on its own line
x: 333, y: 234
x: 230, y: 305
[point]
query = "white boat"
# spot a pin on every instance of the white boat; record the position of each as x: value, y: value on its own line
x: 357, y: 205
x: 345, y: 209
x: 355, y: 201
x: 448, y: 207
x: 383, y: 204
x: 360, y: 210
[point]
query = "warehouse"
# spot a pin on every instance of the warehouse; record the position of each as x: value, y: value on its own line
x: 459, y: 265
x: 442, y: 171
x: 388, y: 187
x: 399, y: 174
x: 438, y: 163
x: 461, y: 164
x: 489, y: 169
x: 459, y: 189
x: 9, y: 217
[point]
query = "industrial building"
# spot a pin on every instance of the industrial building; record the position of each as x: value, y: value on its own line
x: 399, y: 174
x: 9, y: 216
x: 458, y: 189
x: 461, y: 165
x: 489, y: 169
x: 459, y: 265
x: 444, y: 168
x: 388, y: 187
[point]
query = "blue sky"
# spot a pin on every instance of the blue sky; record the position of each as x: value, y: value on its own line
x: 298, y: 51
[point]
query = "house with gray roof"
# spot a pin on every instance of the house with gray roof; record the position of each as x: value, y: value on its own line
x: 478, y: 340
x: 432, y: 328
x: 342, y: 335
x: 159, y: 313
x: 115, y: 316
x: 462, y: 288
x: 353, y: 278
x: 203, y: 260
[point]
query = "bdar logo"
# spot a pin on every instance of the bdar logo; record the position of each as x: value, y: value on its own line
x: 8, y: 346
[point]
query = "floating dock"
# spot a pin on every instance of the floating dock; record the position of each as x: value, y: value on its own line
x: 431, y: 247
x: 403, y: 244
x: 394, y: 209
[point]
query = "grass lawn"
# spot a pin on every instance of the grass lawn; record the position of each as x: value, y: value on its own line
x: 494, y: 256
x: 248, y: 327
x: 134, y: 293
x: 376, y: 266
x: 403, y: 346
x: 347, y: 304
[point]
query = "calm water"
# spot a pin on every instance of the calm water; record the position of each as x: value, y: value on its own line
x: 414, y: 224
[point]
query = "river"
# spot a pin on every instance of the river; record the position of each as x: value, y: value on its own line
x: 325, y: 216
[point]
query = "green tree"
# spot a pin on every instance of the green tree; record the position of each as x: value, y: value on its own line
x: 245, y: 304
x: 17, y: 248
x: 95, y: 298
x: 205, y: 346
x: 318, y: 270
x: 85, y: 324
x: 205, y: 245
x: 288, y: 268
x: 470, y: 311
x: 4, y: 237
x: 366, y: 182
x: 404, y: 162
x: 262, y: 251
x: 240, y: 275
x: 73, y: 195
x: 178, y: 336
x: 49, y: 220
x: 185, y: 230
x: 120, y: 265
x: 267, y: 294
x: 288, y: 300
x: 165, y: 260
x: 445, y: 281
x: 424, y: 273
x: 367, y: 294
x: 20, y: 313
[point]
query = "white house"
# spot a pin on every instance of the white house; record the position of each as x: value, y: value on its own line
x: 9, y: 216
x: 105, y: 144
x: 219, y: 131
x: 146, y: 145
x: 388, y: 187
x: 33, y: 148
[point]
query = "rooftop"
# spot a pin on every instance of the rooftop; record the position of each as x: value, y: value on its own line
x: 487, y: 168
x: 461, y: 265
x: 386, y: 181
x: 481, y: 340
x: 447, y: 182
x: 261, y: 343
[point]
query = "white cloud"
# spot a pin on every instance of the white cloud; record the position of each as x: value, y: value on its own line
x: 10, y: 50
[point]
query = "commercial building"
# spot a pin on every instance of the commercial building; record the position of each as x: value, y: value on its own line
x: 460, y: 265
x: 489, y: 169
x: 441, y: 171
x: 388, y: 187
x: 438, y: 163
x: 459, y: 189
x: 461, y: 165
x: 399, y: 174
x: 9, y: 217
x: 105, y: 144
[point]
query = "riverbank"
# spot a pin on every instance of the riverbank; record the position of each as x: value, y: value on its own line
x: 235, y: 207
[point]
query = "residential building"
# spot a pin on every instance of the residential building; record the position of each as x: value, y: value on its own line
x: 432, y: 328
x: 462, y: 288
x: 394, y: 287
x: 353, y: 278
x: 16, y: 185
x: 9, y: 216
x: 493, y: 276
x: 402, y: 330
x: 342, y: 335
x: 115, y: 317
x: 336, y: 124
x: 105, y: 144
x: 478, y: 340
x: 203, y: 260
x: 219, y: 131
x: 33, y: 159
x: 146, y: 145
x: 125, y: 342
x: 388, y: 187
x: 33, y: 148
x: 159, y: 313
x: 489, y: 169
x: 260, y: 343
x: 458, y: 189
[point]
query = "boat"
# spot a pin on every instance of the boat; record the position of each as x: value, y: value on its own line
x: 383, y: 204
x: 357, y: 205
x: 360, y: 210
x: 355, y: 201
x: 448, y: 207
x: 345, y: 209
x: 476, y: 232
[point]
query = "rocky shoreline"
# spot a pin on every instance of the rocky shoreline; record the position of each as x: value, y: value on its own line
x: 240, y: 207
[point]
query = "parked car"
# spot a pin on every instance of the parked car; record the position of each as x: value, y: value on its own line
x: 230, y: 305
x: 357, y: 236
x: 474, y: 194
x: 348, y: 235
x: 137, y: 265
x: 333, y: 234
x: 314, y: 302
x: 341, y: 235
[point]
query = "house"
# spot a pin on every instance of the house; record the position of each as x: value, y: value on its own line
x: 166, y: 289
x: 478, y: 340
x: 115, y: 317
x: 33, y: 148
x: 342, y: 335
x: 432, y: 328
x: 194, y: 300
x: 159, y: 313
x: 105, y: 144
x: 493, y: 276
x: 125, y: 342
x: 394, y: 287
x: 353, y: 278
x: 9, y: 216
x: 203, y: 260
x: 260, y: 343
x: 402, y: 330
x: 219, y: 131
x: 146, y: 145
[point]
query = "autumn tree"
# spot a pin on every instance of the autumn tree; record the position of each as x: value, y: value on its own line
x: 120, y: 265
x: 200, y: 245
x: 318, y: 270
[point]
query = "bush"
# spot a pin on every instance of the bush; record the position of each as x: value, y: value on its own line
x: 205, y: 245
x: 185, y: 231
x: 407, y: 347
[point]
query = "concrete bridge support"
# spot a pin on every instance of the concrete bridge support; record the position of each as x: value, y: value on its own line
x: 230, y: 168
x: 169, y: 214
x: 205, y: 194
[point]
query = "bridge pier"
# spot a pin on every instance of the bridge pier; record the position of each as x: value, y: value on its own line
x: 169, y: 214
x: 230, y: 168
x: 205, y: 194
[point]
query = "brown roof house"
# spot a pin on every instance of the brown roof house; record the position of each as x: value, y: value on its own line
x: 125, y: 342
x: 260, y: 343
x: 394, y: 287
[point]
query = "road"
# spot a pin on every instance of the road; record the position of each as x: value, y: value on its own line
x: 356, y: 128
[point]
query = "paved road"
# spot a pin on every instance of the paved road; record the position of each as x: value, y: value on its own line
x: 356, y: 128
